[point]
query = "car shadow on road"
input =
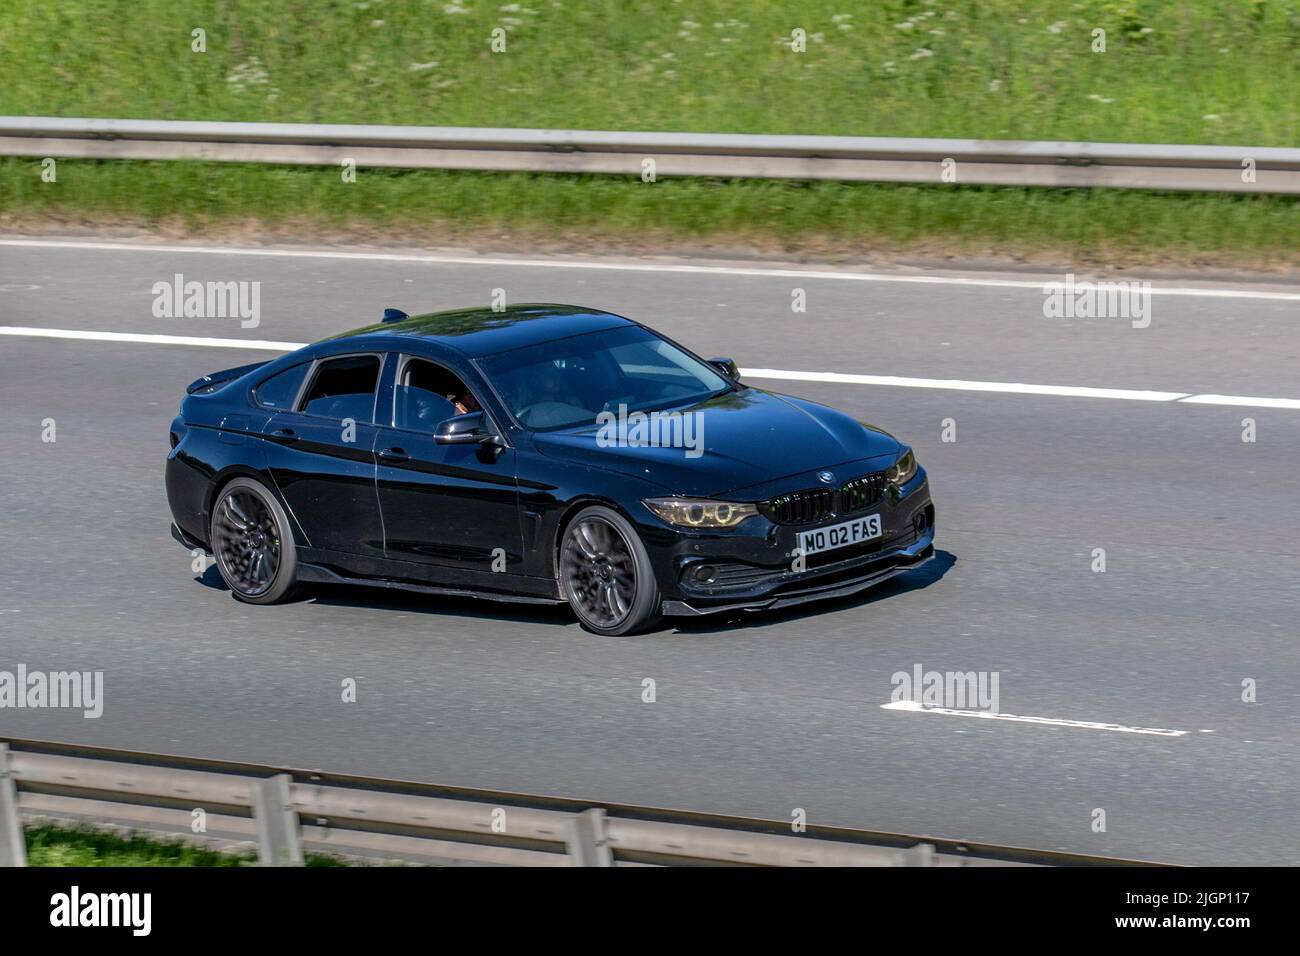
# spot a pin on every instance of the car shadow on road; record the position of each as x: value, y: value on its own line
x: 415, y: 602
x: 211, y: 578
x: 392, y: 599
x: 559, y: 615
x: 916, y: 580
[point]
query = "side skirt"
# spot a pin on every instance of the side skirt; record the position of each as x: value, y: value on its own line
x: 322, y: 575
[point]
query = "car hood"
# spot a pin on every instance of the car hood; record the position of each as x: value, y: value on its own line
x: 749, y: 437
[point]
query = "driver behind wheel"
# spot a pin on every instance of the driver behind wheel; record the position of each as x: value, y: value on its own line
x: 464, y: 403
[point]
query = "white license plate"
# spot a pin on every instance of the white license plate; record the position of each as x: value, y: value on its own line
x: 840, y: 535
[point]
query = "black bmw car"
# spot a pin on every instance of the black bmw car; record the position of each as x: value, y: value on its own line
x: 544, y: 453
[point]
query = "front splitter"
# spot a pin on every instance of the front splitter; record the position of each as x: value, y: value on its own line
x: 907, y: 562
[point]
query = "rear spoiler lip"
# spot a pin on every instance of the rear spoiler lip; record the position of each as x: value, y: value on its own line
x: 225, y: 375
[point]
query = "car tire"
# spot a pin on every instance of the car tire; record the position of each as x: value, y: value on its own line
x: 605, y: 573
x: 253, y: 543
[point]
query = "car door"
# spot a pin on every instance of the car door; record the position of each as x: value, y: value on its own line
x: 450, y: 507
x: 321, y: 453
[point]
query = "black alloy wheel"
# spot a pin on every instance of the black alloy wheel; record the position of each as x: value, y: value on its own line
x: 606, y: 574
x: 252, y: 544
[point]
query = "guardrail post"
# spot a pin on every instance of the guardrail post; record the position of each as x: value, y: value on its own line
x: 13, y: 847
x: 587, y: 846
x: 920, y: 855
x: 278, y: 842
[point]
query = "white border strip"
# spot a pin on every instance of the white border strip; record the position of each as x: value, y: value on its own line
x: 843, y: 378
x: 506, y: 262
x: 912, y: 707
x: 958, y: 385
x: 210, y: 343
x: 1241, y: 400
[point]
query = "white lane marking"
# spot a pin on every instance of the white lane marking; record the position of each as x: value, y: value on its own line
x: 1069, y: 391
x: 1005, y: 388
x: 913, y: 707
x: 1241, y: 400
x: 502, y: 261
x: 259, y: 344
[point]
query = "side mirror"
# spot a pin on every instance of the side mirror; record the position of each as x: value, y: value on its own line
x: 727, y: 367
x: 468, y: 429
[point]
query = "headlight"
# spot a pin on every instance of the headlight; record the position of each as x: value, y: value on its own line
x: 901, y: 471
x: 699, y: 512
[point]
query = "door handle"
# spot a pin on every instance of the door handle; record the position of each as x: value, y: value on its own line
x: 394, y: 454
x: 285, y: 436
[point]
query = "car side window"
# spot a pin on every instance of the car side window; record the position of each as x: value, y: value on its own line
x: 344, y: 388
x: 280, y: 389
x: 428, y: 394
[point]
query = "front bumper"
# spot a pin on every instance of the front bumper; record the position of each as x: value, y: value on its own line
x: 750, y: 568
x: 872, y: 573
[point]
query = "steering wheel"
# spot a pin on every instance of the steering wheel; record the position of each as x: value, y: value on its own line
x: 621, y: 400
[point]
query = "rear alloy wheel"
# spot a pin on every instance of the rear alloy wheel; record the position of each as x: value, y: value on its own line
x: 606, y: 575
x: 253, y: 543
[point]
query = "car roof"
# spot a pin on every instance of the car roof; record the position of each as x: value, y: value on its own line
x: 480, y: 332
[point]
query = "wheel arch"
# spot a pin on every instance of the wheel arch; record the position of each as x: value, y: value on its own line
x: 571, y: 509
x: 228, y: 474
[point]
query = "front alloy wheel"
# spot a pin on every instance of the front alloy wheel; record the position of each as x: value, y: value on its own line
x: 606, y: 574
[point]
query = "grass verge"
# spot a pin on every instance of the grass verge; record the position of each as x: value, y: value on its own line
x: 50, y: 845
x: 824, y: 219
x: 1199, y: 71
x: 1213, y: 71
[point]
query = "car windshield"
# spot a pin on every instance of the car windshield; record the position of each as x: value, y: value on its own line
x: 570, y: 381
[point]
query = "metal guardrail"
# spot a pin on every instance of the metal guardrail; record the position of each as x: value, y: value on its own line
x: 284, y: 813
x: 720, y: 155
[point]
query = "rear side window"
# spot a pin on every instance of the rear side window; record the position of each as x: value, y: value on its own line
x: 344, y: 388
x: 280, y: 390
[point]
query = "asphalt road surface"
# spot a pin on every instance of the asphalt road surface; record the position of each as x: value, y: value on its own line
x: 754, y: 715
